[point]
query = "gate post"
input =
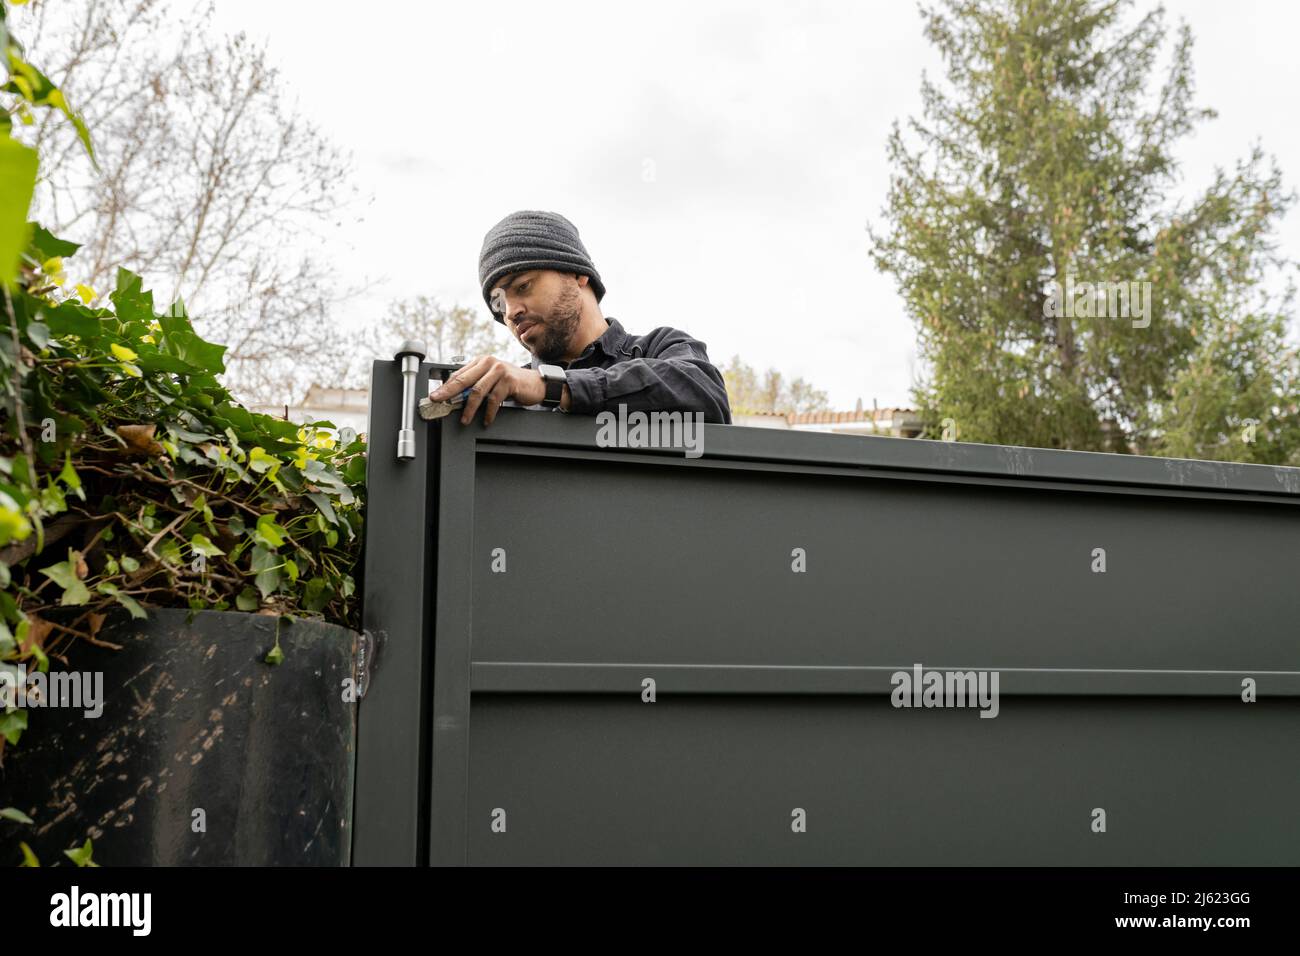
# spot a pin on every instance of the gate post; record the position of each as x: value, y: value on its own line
x: 391, y: 800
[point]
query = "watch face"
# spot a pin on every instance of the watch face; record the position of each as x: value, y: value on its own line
x: 554, y: 378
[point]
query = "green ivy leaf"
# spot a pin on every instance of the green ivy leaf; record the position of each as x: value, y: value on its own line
x: 170, y: 552
x: 49, y: 245
x: 188, y: 347
x: 81, y: 855
x: 65, y: 575
x: 72, y: 318
x: 69, y: 476
x: 260, y: 461
x: 268, y: 532
x: 14, y: 525
x: 13, y: 724
x: 247, y: 600
x: 186, y: 435
x: 131, y: 605
x: 323, y: 503
x: 53, y: 500
x: 39, y: 333
x: 128, y: 602
x: 130, y: 299
x: 355, y: 472
x: 267, y: 565
x: 160, y: 362
x: 201, y: 545
x: 13, y: 813
x: 77, y: 594
x: 18, y: 166
x: 316, y: 595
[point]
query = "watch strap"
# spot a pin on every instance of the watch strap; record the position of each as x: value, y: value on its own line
x: 554, y: 384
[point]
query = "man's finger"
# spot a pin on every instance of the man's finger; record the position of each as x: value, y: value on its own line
x: 499, y: 394
x: 485, y: 381
x: 457, y: 382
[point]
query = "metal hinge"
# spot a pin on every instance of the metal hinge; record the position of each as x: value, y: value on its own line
x: 367, y: 650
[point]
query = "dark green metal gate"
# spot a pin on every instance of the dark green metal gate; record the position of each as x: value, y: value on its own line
x: 507, y: 721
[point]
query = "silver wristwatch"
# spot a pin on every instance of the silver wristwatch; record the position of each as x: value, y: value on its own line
x: 555, y: 378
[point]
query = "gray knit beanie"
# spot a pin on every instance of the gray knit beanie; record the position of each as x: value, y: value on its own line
x: 530, y: 239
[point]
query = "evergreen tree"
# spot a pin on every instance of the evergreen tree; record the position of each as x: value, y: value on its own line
x: 1040, y: 185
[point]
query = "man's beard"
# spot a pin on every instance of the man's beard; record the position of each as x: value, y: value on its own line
x: 551, y: 343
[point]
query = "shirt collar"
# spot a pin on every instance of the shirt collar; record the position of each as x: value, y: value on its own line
x: 611, y: 338
x: 608, y: 342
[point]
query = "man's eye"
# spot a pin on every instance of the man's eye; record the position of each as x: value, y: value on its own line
x: 523, y: 287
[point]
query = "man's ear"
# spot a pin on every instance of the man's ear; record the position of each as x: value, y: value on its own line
x: 582, y: 279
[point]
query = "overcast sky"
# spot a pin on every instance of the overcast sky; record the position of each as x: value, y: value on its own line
x: 720, y: 160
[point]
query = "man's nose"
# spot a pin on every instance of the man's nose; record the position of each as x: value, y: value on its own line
x: 515, y: 311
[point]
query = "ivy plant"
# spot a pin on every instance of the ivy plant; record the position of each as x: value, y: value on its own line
x: 129, y: 476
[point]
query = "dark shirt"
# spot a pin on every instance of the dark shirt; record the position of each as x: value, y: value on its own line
x: 663, y: 371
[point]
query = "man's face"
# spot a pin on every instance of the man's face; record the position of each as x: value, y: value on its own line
x: 542, y: 310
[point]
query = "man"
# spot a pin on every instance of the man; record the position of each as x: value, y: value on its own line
x: 541, y: 284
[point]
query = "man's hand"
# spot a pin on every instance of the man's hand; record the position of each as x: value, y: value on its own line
x: 492, y: 381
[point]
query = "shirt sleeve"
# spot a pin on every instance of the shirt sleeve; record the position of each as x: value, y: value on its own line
x: 674, y: 376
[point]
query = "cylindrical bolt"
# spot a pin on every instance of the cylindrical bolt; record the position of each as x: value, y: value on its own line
x: 411, y: 354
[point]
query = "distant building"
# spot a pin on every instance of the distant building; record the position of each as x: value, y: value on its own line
x: 761, y: 420
x: 345, y: 407
x: 895, y: 422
